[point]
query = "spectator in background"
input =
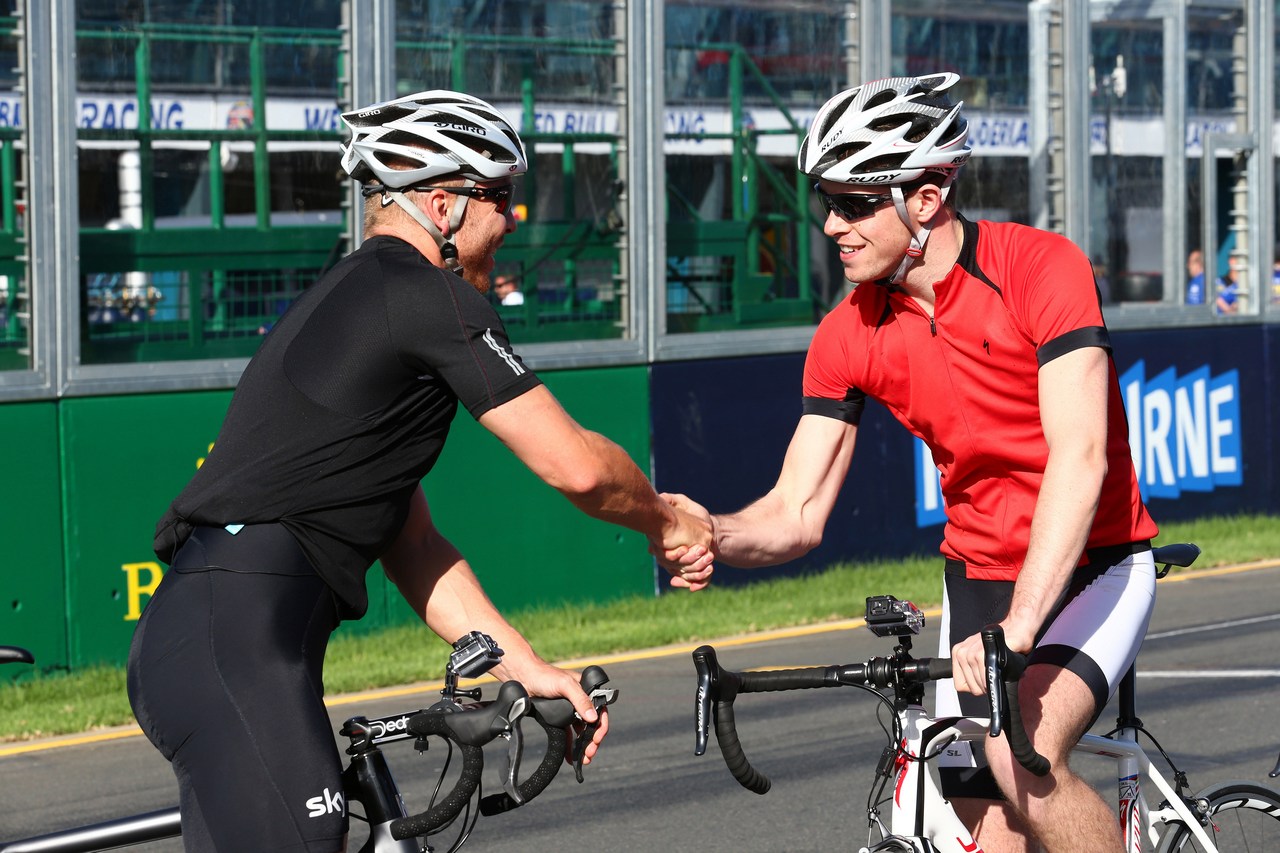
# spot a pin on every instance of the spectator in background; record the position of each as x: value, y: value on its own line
x: 507, y: 290
x: 1228, y: 287
x: 1195, y: 277
x: 1275, y: 277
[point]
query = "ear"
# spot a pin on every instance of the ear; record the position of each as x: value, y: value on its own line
x: 928, y: 200
x: 438, y: 204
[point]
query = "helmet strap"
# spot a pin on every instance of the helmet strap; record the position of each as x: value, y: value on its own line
x: 918, y: 235
x: 448, y: 250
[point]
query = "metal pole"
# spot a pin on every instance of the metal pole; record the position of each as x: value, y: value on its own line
x: 52, y: 218
x: 1261, y: 110
x: 1076, y: 120
x: 1174, y: 202
x: 641, y: 160
x: 1044, y: 28
x: 369, y: 75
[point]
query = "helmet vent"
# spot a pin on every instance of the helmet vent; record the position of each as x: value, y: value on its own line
x: 879, y: 99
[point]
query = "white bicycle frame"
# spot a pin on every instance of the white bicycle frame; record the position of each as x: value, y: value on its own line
x: 920, y: 811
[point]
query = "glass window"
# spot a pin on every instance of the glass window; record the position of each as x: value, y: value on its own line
x: 209, y: 194
x: 15, y: 307
x: 549, y: 66
x: 742, y: 82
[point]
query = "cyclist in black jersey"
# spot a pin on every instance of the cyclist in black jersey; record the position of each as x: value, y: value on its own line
x: 316, y: 472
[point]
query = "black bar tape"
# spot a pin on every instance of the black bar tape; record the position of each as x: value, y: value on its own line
x: 557, y: 743
x: 447, y: 809
x: 727, y: 736
x: 788, y: 679
x: 1019, y: 743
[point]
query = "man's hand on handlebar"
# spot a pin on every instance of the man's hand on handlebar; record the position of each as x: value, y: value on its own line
x: 968, y: 660
x: 542, y: 679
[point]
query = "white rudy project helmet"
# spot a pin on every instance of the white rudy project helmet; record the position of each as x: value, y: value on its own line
x: 888, y: 132
x: 438, y: 135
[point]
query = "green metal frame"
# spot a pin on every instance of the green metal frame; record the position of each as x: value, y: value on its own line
x: 756, y: 261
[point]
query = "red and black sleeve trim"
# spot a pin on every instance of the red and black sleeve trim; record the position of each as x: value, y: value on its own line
x: 1090, y: 336
x: 848, y: 410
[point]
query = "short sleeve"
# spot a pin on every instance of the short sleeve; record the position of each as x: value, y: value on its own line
x: 1058, y: 301
x: 462, y: 343
x: 828, y: 388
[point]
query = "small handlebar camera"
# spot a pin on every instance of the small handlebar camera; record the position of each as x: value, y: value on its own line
x: 889, y: 617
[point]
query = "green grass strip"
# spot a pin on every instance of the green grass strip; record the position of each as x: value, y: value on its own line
x: 46, y: 705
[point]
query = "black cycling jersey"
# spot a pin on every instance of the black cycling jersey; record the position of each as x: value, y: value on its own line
x: 346, y: 407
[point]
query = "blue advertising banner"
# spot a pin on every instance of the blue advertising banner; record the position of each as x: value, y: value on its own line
x: 1199, y: 403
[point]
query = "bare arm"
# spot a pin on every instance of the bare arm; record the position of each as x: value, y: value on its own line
x: 594, y: 473
x: 439, y: 585
x: 788, y: 521
x: 1073, y: 413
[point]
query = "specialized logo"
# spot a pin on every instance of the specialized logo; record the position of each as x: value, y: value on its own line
x: 516, y: 367
x: 326, y: 804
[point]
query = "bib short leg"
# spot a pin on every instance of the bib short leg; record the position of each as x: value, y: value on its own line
x: 225, y: 679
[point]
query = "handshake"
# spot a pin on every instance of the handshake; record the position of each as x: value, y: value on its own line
x: 687, y: 545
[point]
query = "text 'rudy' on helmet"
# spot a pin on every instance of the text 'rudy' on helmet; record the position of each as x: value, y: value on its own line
x: 887, y: 132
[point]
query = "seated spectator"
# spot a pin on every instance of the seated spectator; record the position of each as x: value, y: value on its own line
x: 1228, y: 287
x: 507, y: 290
x: 1195, y: 277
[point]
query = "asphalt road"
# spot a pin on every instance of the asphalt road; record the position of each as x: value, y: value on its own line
x: 647, y: 791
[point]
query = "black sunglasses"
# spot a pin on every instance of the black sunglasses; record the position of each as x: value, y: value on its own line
x: 850, y: 206
x: 499, y: 196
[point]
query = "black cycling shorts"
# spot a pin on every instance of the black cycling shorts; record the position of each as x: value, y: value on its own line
x: 225, y: 679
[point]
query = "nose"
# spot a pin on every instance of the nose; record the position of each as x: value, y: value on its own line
x: 835, y: 226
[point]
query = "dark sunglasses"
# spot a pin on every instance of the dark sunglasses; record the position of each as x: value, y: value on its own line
x: 850, y: 206
x: 499, y: 196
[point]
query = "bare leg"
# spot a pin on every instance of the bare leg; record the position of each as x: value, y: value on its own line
x: 1064, y: 813
x: 995, y: 826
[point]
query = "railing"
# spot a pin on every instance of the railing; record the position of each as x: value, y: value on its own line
x: 163, y: 288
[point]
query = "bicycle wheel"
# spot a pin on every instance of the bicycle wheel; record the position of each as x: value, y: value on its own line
x: 1244, y: 817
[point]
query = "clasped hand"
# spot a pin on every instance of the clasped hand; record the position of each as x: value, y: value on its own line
x: 686, y: 549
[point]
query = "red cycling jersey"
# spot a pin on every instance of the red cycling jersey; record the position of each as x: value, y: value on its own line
x: 966, y: 382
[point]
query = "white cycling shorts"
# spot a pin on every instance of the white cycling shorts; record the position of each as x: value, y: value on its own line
x: 1095, y: 632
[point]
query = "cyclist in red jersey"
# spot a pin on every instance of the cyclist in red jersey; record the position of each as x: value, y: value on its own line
x: 986, y: 340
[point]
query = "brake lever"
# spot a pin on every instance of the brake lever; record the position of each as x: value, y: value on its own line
x: 600, y: 697
x: 994, y: 660
x: 511, y: 769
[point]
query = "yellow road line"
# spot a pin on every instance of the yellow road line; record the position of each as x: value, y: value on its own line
x: 579, y: 663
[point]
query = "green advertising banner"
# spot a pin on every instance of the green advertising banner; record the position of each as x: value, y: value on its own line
x: 84, y: 528
x: 33, y: 610
x: 124, y: 458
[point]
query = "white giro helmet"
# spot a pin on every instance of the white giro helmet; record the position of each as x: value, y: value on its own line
x: 451, y: 135
x: 438, y: 135
x: 887, y: 132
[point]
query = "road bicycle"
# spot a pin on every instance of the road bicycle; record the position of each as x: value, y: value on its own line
x: 461, y: 719
x: 1230, y: 817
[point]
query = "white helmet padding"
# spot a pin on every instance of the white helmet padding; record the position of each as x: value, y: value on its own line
x: 889, y: 133
x: 439, y: 135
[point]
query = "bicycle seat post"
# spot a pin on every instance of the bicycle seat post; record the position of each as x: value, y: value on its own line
x: 1127, y: 700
